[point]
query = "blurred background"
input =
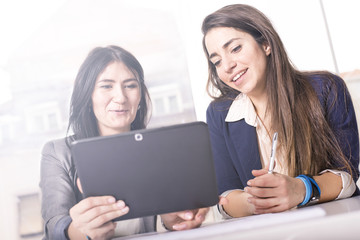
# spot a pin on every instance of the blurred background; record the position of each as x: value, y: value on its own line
x: 44, y: 42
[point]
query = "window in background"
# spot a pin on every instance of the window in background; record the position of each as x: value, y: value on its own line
x: 5, y: 133
x: 29, y: 213
x: 42, y: 71
x: 7, y: 129
x: 44, y: 64
x: 166, y: 100
x: 43, y: 117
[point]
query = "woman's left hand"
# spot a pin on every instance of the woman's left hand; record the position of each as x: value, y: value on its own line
x: 274, y: 192
x: 185, y: 219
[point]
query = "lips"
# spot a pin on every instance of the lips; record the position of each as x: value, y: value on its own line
x: 237, y: 76
x: 118, y: 111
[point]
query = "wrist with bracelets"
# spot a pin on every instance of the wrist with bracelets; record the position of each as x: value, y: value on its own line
x: 313, y: 192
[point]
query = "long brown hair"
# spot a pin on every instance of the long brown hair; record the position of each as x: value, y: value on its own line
x: 82, y: 120
x: 305, y: 136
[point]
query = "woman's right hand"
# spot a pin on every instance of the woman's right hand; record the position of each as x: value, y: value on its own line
x: 92, y: 217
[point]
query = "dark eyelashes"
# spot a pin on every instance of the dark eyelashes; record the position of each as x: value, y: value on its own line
x: 236, y: 49
x: 130, y: 86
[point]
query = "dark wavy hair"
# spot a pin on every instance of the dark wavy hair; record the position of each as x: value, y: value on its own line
x: 296, y: 113
x: 82, y: 120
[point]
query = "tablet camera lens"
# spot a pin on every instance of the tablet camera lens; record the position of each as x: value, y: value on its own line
x: 138, y: 137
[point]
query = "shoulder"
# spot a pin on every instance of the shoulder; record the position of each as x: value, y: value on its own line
x: 219, y: 107
x: 325, y: 82
x: 58, y: 145
x: 57, y: 150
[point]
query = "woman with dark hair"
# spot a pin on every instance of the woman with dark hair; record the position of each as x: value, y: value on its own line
x: 109, y: 97
x: 258, y: 92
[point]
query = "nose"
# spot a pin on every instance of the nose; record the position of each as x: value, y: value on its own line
x: 229, y: 64
x: 119, y: 95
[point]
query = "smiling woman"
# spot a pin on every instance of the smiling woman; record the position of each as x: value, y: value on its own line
x: 260, y: 93
x: 229, y: 48
x: 115, y: 99
x: 43, y: 43
x: 109, y: 97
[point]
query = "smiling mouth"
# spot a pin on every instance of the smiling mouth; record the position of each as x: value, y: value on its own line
x: 119, y: 111
x: 239, y: 75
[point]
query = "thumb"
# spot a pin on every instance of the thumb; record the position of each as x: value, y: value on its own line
x: 79, y: 185
x: 260, y: 172
x: 267, y: 166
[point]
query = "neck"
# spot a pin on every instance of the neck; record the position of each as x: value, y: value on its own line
x: 260, y: 105
x: 108, y: 132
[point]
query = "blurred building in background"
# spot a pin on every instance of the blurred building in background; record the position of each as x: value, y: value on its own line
x: 42, y: 77
x: 166, y: 40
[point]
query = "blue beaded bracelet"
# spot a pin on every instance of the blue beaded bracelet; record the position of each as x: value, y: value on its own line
x: 308, y: 189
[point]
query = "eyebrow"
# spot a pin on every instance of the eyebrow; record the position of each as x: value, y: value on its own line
x: 111, y: 80
x: 224, y: 46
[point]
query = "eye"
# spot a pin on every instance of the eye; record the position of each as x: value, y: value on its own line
x: 216, y: 63
x: 236, y: 49
x: 131, y: 86
x: 106, y: 86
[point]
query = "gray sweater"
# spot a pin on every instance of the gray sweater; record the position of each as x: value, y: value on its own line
x: 60, y: 192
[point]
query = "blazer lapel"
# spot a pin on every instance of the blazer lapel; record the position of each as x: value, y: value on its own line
x: 246, y: 149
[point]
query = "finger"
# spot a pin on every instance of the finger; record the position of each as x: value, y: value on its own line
x: 186, y: 215
x: 91, y: 202
x: 103, y: 214
x: 187, y: 224
x: 195, y: 222
x: 275, y: 209
x: 268, y: 180
x: 261, y: 192
x: 263, y: 203
x: 258, y: 173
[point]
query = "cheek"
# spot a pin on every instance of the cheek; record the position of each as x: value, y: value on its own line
x: 100, y: 102
x: 136, y: 99
x: 221, y: 75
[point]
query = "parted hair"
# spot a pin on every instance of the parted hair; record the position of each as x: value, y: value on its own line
x: 308, y: 142
x: 82, y: 120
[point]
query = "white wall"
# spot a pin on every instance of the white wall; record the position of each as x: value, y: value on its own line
x: 300, y: 25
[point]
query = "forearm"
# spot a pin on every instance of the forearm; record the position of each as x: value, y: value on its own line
x: 238, y: 205
x: 330, y: 185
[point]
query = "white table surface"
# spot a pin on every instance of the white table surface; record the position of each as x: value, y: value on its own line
x: 333, y: 220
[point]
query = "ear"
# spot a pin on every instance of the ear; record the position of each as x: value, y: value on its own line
x: 266, y: 48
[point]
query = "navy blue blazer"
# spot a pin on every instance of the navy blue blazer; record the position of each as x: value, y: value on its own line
x: 235, y: 146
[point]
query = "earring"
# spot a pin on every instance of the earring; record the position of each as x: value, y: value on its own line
x: 268, y: 51
x: 139, y: 107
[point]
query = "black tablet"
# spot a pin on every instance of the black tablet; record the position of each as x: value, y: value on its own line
x: 154, y: 171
